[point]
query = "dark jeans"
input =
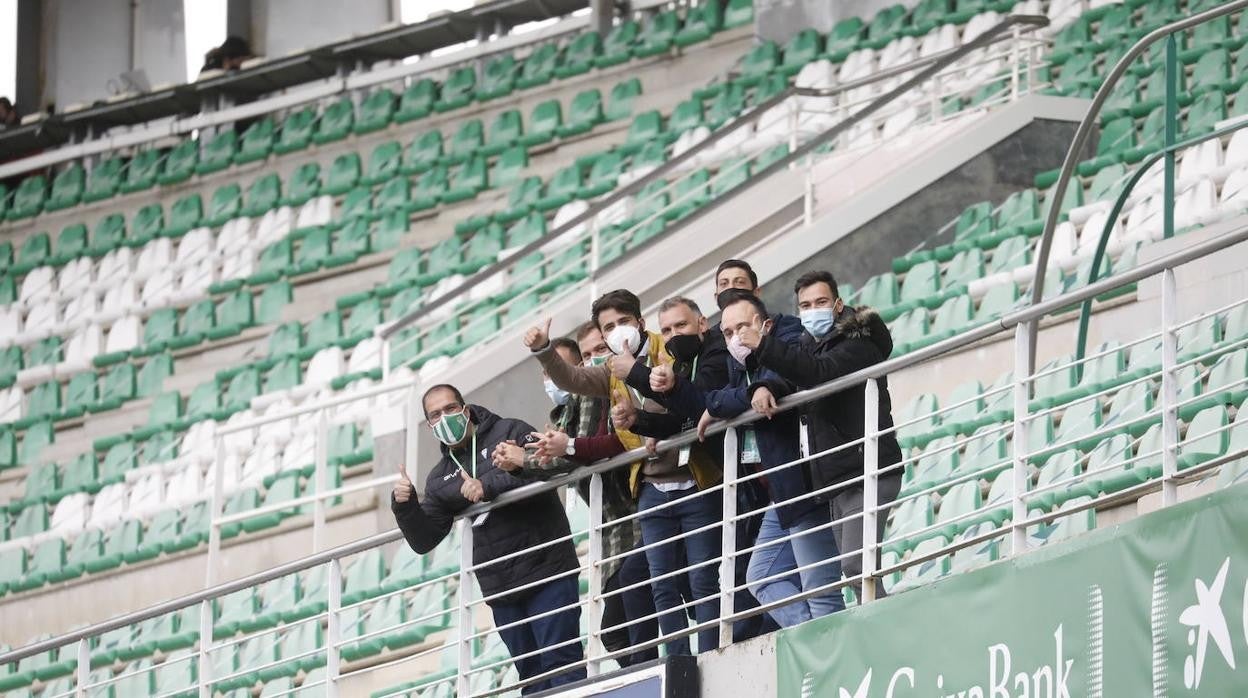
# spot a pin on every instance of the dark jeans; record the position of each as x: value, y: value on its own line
x: 544, y: 632
x: 690, y: 514
x: 627, y: 607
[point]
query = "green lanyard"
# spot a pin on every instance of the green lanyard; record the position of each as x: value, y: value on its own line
x: 474, y: 455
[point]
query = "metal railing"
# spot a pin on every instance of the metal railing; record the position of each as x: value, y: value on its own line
x: 1026, y: 524
x: 1167, y: 151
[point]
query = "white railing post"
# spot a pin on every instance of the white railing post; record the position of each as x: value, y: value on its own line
x: 1015, y: 60
x: 82, y: 673
x: 595, y: 646
x: 463, y: 607
x: 214, y: 512
x: 870, y: 486
x: 595, y: 246
x: 385, y: 354
x: 320, y: 479
x: 333, y: 629
x: 1022, y: 351
x: 808, y: 192
x: 1169, y: 389
x: 205, y: 649
x: 728, y: 544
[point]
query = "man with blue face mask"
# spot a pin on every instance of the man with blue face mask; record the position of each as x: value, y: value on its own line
x: 466, y: 475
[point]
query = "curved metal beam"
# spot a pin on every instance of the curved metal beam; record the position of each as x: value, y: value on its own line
x: 1081, y: 139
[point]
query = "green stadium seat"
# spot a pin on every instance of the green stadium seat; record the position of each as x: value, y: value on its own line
x: 141, y: 171
x: 886, y: 25
x: 226, y: 203
x: 758, y: 63
x: 1205, y: 113
x: 275, y: 261
x: 498, y: 78
x: 86, y: 548
x: 343, y: 174
x: 149, y: 222
x: 296, y: 131
x: 30, y: 520
x: 43, y: 400
x: 544, y: 123
x: 505, y: 130
x: 177, y: 675
x: 81, y: 394
x: 36, y: 251
x: 580, y: 55
x: 1212, y: 72
x: 46, y: 351
x: 510, y: 167
x: 466, y: 180
x: 383, y: 163
x: 1108, y: 470
x: 274, y: 297
x: 28, y: 199
x: 304, y: 184
x: 104, y: 181
x: 66, y: 188
x: 457, y: 89
x: 335, y: 122
x: 166, y: 410
x: 700, y: 23
x: 323, y: 330
x: 617, y: 47
x: 264, y: 195
x: 1206, y: 438
x: 422, y: 153
x: 1073, y: 39
x: 218, y: 153
x: 363, y: 577
x: 539, y: 66
x: 466, y: 142
x: 646, y: 127
x: 71, y: 243
x: 725, y: 106
x: 47, y: 559
x: 180, y: 163
x: 689, y: 194
x: 561, y: 189
x: 276, y: 597
x: 1117, y: 139
x: 350, y: 242
x: 194, y: 529
x: 257, y: 142
x: 284, y: 375
x: 686, y: 116
x: 375, y: 112
x: 358, y: 205
x: 657, y: 34
x: 417, y: 101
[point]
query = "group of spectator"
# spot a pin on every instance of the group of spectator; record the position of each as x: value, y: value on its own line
x: 618, y: 385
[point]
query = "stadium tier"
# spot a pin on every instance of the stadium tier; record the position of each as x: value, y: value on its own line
x: 326, y: 250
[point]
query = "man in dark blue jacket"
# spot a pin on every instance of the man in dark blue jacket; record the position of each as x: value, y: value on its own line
x: 767, y: 445
x: 513, y: 587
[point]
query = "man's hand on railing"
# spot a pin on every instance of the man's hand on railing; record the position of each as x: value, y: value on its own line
x: 703, y: 422
x: 764, y: 402
x: 662, y: 378
x: 652, y: 445
x: 472, y: 489
x: 403, y: 489
x: 549, y: 445
x: 508, y: 456
x: 536, y: 338
x: 623, y: 412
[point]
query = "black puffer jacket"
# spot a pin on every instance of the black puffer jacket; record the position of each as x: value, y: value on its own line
x: 858, y: 340
x: 517, y: 526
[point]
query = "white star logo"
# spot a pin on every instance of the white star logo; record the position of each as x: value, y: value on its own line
x: 1206, y: 620
x: 861, y: 692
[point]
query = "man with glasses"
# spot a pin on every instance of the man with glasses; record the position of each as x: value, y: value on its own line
x: 519, y: 587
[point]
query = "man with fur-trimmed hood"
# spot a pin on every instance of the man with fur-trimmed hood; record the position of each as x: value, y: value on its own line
x: 839, y: 340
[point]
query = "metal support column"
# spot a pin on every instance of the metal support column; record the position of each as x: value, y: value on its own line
x: 333, y: 629
x: 463, y: 608
x: 595, y: 647
x: 870, y: 486
x: 1172, y: 118
x: 728, y: 541
x: 214, y: 512
x: 320, y: 479
x: 1169, y: 389
x: 82, y: 672
x: 1022, y: 379
x: 204, y: 672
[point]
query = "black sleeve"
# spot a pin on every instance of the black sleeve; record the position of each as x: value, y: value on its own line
x: 713, y: 364
x: 639, y: 379
x: 494, y: 480
x: 805, y: 369
x: 657, y: 425
x: 424, y: 523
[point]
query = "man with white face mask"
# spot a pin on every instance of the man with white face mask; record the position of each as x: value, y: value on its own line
x: 466, y: 475
x: 674, y: 477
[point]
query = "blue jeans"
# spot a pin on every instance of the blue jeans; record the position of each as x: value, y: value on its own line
x: 789, y: 555
x: 690, y: 514
x: 544, y: 633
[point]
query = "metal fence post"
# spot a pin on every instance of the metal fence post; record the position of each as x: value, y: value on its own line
x: 1171, y: 133
x: 870, y: 486
x: 1022, y: 353
x: 214, y: 512
x: 595, y: 647
x: 728, y: 544
x: 463, y: 607
x: 385, y: 355
x: 205, y: 646
x: 82, y: 673
x: 320, y: 479
x: 333, y: 629
x: 1169, y: 389
x: 1015, y: 60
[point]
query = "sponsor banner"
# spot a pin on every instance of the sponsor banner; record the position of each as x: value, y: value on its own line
x: 1155, y: 607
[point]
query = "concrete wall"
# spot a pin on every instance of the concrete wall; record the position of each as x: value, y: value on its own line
x: 282, y: 26
x: 780, y: 19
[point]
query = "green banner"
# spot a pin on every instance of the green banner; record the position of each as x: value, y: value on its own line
x: 1155, y: 607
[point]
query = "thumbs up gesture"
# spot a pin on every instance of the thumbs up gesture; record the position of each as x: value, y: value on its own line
x: 403, y: 489
x: 623, y: 412
x: 472, y: 489
x: 662, y: 378
x: 536, y: 338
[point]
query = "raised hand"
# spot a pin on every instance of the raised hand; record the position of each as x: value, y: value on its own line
x: 764, y: 402
x: 472, y: 489
x: 662, y: 378
x: 403, y: 489
x: 751, y: 335
x: 620, y: 366
x: 537, y: 338
x: 703, y: 422
x: 551, y: 445
x: 652, y: 445
x: 623, y: 412
x: 508, y: 456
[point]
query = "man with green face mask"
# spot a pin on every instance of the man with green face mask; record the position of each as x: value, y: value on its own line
x: 466, y: 475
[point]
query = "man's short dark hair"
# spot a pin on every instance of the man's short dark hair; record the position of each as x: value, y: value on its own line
x: 811, y: 278
x: 459, y: 397
x: 235, y: 47
x: 738, y: 264
x: 585, y: 328
x: 620, y: 300
x: 733, y: 296
x: 4, y: 102
x: 565, y: 343
x: 675, y: 301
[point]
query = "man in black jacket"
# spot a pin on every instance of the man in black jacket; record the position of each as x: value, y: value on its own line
x: 839, y: 340
x: 466, y: 475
